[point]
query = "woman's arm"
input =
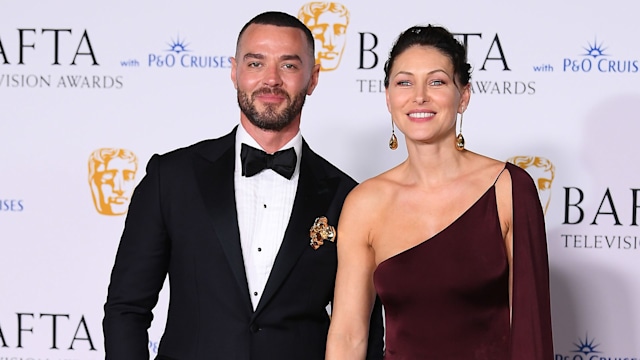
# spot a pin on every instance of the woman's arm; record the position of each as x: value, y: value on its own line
x: 354, y: 292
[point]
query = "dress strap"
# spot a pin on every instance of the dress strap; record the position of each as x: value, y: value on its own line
x: 501, y: 171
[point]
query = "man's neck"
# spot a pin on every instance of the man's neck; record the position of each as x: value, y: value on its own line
x: 270, y: 140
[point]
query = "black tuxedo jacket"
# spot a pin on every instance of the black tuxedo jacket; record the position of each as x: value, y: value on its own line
x: 182, y: 222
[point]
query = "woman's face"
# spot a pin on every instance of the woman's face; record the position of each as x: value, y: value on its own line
x: 422, y: 97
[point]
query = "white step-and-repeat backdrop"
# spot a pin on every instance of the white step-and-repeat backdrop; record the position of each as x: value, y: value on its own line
x: 89, y: 90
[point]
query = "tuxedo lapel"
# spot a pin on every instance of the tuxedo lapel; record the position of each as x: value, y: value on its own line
x: 215, y: 180
x: 313, y: 196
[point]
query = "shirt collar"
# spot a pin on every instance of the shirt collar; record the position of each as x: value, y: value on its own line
x: 242, y: 136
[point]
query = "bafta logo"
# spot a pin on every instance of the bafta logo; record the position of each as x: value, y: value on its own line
x: 328, y: 23
x: 112, y: 175
x: 542, y: 171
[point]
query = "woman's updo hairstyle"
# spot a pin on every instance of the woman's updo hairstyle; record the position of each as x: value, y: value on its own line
x: 438, y: 38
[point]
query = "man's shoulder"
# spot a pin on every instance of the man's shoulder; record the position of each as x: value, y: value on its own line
x: 207, y: 148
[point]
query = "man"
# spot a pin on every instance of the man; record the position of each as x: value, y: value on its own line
x: 112, y: 175
x: 201, y: 210
x: 328, y: 22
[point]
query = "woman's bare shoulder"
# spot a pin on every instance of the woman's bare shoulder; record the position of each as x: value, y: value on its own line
x: 377, y: 187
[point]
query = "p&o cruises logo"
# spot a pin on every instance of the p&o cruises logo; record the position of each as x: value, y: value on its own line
x: 179, y: 54
x: 589, y: 349
x: 596, y: 58
x: 11, y: 205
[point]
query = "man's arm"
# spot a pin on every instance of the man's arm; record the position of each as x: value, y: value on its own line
x: 138, y: 273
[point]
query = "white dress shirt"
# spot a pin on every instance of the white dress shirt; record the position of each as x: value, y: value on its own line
x: 264, y: 203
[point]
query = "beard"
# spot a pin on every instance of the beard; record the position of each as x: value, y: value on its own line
x: 270, y: 118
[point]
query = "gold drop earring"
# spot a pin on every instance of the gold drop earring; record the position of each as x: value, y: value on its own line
x: 460, y: 138
x: 393, y: 141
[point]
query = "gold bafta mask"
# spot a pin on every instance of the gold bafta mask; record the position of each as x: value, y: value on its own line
x: 328, y: 22
x: 542, y: 171
x: 112, y: 175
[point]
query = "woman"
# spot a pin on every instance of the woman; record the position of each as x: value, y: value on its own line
x: 452, y: 241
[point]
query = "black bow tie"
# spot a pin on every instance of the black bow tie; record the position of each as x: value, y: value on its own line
x: 255, y: 160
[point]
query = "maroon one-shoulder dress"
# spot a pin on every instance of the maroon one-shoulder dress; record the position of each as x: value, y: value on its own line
x: 447, y: 298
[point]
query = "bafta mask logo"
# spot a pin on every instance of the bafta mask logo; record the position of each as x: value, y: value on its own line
x: 542, y: 171
x: 328, y: 23
x: 112, y: 175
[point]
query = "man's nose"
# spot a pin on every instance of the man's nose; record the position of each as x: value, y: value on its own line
x: 273, y: 77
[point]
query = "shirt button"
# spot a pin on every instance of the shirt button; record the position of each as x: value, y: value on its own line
x: 259, y: 249
x: 255, y: 293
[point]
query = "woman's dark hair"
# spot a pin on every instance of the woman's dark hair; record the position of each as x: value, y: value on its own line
x: 438, y: 38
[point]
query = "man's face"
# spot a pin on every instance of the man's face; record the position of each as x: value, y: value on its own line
x: 273, y: 71
x: 330, y: 32
x: 114, y: 181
